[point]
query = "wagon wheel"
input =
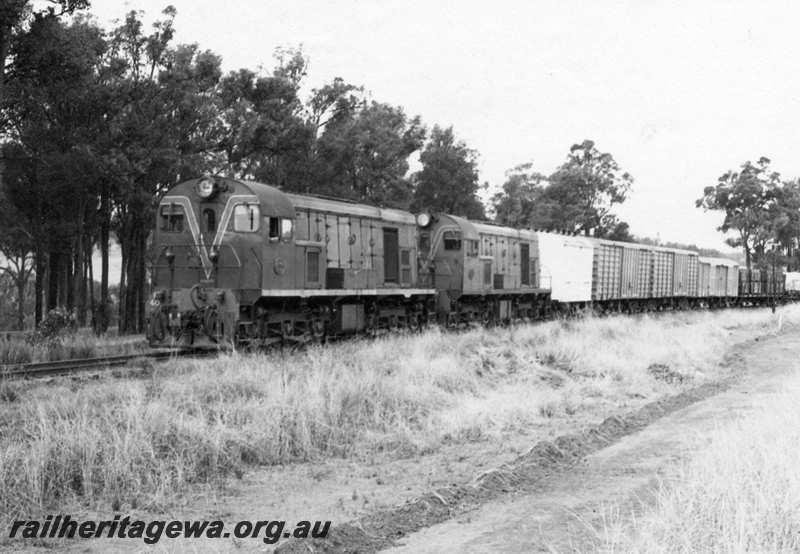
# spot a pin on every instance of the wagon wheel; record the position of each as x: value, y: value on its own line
x: 318, y: 331
x: 487, y: 319
x: 372, y: 325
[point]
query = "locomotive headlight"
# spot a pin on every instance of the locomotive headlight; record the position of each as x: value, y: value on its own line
x: 205, y: 188
x: 423, y: 219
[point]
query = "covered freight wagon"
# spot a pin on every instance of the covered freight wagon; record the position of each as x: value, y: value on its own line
x: 566, y: 266
x: 621, y: 270
x: 792, y: 282
x: 717, y: 278
x: 761, y: 285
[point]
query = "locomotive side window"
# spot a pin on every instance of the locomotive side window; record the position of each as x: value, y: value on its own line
x: 280, y: 228
x: 172, y: 218
x: 452, y: 240
x: 210, y: 220
x: 472, y: 248
x: 246, y: 217
x: 286, y: 229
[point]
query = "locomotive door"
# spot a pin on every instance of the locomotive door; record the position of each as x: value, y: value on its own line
x: 313, y: 278
x: 524, y: 264
x: 391, y: 253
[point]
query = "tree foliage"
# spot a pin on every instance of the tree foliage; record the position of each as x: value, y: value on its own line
x: 362, y: 154
x: 579, y: 196
x: 517, y: 204
x: 98, y: 123
x: 748, y: 197
x: 448, y: 181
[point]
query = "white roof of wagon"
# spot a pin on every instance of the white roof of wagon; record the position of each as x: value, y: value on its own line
x: 570, y: 240
x: 718, y: 261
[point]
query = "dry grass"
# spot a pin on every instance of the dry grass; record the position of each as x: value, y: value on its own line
x: 127, y: 443
x: 82, y: 344
x: 741, y: 494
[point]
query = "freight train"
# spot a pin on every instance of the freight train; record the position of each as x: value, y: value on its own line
x: 242, y: 263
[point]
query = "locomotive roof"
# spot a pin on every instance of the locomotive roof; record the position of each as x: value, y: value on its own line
x: 274, y: 202
x: 568, y: 239
x: 471, y: 229
x: 342, y: 207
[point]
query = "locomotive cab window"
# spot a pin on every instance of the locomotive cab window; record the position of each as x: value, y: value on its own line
x: 246, y: 217
x: 472, y: 248
x: 452, y: 240
x: 172, y: 218
x: 280, y: 228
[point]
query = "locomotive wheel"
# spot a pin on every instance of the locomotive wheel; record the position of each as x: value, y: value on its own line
x: 415, y: 321
x: 212, y: 324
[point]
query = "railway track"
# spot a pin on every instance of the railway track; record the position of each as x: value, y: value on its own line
x: 64, y: 367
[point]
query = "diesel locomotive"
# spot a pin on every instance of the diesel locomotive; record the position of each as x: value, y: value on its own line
x: 237, y: 262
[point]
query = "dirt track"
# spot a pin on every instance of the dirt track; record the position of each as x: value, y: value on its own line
x: 561, y: 515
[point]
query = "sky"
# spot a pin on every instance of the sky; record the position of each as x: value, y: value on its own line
x: 678, y: 92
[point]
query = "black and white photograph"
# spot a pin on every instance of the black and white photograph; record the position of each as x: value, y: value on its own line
x: 399, y: 276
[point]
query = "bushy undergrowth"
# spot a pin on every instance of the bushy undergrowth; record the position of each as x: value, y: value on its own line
x: 741, y: 494
x: 66, y: 346
x: 134, y: 442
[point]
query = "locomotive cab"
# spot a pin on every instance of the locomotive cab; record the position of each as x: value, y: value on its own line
x: 217, y: 242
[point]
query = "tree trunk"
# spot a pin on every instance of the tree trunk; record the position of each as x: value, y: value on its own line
x: 85, y: 263
x: 22, y: 279
x: 38, y: 287
x: 69, y: 281
x: 133, y: 242
x: 52, y: 279
x: 79, y: 272
x: 5, y: 39
x: 125, y: 248
x: 92, y: 306
x: 747, y: 263
x: 141, y: 296
x: 105, y: 222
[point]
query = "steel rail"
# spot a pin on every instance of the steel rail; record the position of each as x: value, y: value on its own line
x: 79, y: 365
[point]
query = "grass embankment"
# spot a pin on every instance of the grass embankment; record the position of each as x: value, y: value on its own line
x: 741, y: 494
x: 71, y: 346
x: 121, y: 443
